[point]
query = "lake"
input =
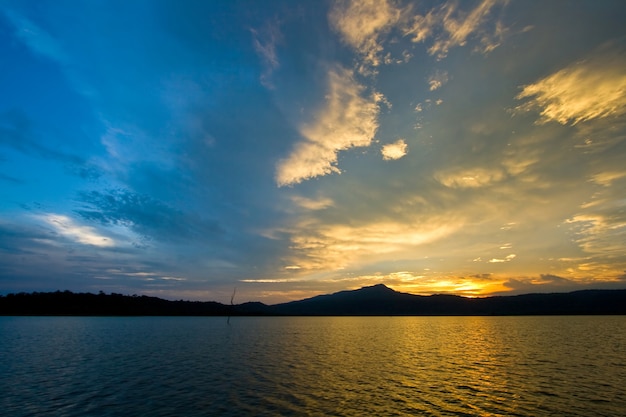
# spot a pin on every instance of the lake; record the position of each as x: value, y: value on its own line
x: 314, y: 366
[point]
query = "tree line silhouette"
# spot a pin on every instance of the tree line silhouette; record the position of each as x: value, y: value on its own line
x: 101, y: 304
x: 377, y: 300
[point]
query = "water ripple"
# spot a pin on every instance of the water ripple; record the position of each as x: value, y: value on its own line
x: 351, y: 366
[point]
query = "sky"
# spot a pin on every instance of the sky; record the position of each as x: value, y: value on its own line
x: 283, y: 149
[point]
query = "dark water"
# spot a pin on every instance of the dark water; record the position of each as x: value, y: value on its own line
x: 439, y: 366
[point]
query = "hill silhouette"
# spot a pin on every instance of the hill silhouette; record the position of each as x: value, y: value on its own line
x: 381, y: 300
x: 376, y: 300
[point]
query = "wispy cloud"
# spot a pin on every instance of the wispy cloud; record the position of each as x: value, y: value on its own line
x: 126, y: 145
x: 599, y: 227
x: 508, y: 258
x: 608, y: 177
x: 421, y: 27
x: 312, y: 203
x: 265, y: 42
x: 450, y: 27
x: 459, y: 26
x: 601, y: 232
x: 46, y: 45
x: 68, y: 228
x: 37, y: 39
x: 331, y: 247
x: 470, y: 178
x: 395, y: 150
x: 593, y: 88
x: 437, y: 80
x: 363, y: 23
x: 349, y: 119
x: 141, y: 275
x: 366, y: 25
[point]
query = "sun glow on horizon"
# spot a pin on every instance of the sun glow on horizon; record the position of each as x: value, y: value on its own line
x: 437, y: 147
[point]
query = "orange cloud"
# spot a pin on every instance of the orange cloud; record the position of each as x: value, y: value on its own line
x: 593, y: 88
x: 348, y: 120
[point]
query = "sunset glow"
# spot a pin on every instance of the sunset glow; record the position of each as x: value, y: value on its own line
x: 289, y: 149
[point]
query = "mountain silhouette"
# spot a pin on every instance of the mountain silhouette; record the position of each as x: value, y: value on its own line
x: 376, y: 300
x: 381, y: 300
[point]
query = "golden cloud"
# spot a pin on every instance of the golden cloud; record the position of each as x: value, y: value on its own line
x: 320, y: 246
x: 395, y: 150
x: 311, y: 203
x: 470, y: 178
x: 451, y: 28
x: 361, y: 22
x: 348, y: 120
x: 594, y: 88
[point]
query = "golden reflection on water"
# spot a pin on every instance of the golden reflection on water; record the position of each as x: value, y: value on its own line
x: 316, y: 366
x: 446, y: 365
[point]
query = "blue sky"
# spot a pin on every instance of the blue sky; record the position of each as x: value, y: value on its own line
x: 290, y: 148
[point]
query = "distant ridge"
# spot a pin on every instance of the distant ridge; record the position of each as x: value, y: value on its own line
x: 380, y: 300
x: 376, y: 300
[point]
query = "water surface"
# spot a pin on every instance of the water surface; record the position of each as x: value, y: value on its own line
x: 344, y: 366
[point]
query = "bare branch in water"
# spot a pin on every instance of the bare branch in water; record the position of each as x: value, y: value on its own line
x: 232, y: 298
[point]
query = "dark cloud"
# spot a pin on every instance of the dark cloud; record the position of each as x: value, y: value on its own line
x: 18, y: 240
x: 9, y: 178
x: 146, y: 216
x: 86, y: 171
x: 29, y: 259
x: 17, y: 132
x: 545, y: 283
